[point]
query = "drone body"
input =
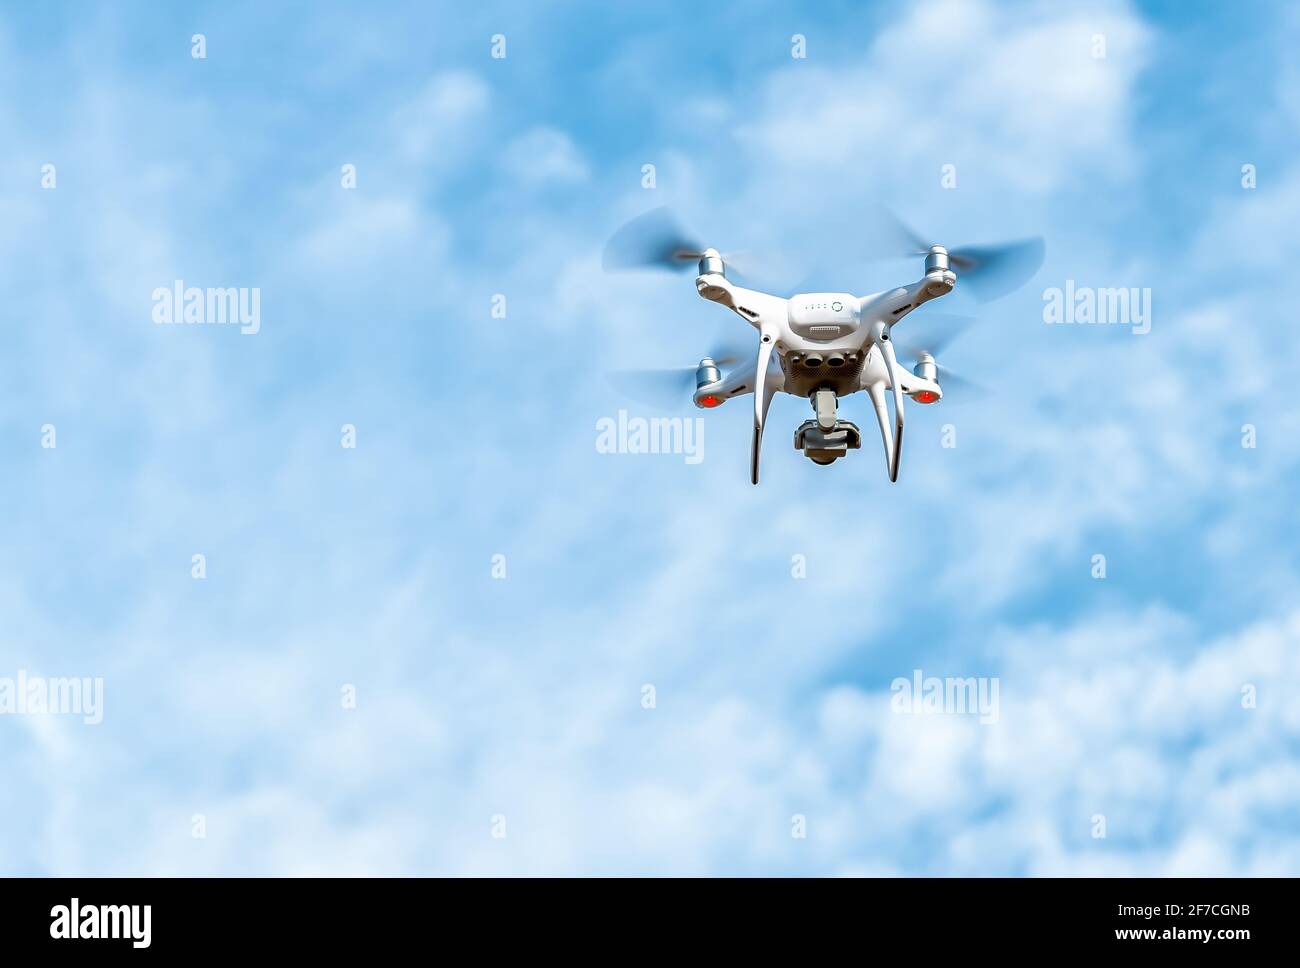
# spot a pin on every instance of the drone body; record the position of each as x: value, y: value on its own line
x: 819, y: 346
x: 824, y: 346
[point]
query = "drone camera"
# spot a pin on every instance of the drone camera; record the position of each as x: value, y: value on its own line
x: 827, y: 446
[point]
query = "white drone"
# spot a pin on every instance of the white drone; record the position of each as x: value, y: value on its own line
x: 823, y: 345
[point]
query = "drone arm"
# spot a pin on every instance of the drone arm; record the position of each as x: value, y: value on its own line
x: 754, y: 307
x: 897, y: 303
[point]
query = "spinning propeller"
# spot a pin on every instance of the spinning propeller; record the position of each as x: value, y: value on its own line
x: 654, y: 240
x: 927, y: 335
x: 657, y: 240
x: 991, y: 271
x: 669, y: 387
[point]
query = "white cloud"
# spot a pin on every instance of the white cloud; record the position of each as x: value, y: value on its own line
x: 433, y: 127
x: 1010, y: 95
x: 544, y: 155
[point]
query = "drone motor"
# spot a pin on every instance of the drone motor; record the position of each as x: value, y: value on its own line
x: 925, y: 367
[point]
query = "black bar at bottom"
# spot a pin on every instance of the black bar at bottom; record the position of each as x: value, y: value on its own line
x: 340, y: 916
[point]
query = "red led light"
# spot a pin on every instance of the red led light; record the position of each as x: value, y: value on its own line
x: 925, y: 396
x: 709, y: 400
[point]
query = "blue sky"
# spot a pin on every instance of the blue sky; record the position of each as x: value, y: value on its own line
x: 520, y: 698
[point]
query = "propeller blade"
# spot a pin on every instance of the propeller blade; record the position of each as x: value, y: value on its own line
x: 891, y: 238
x: 966, y: 389
x: 766, y: 268
x: 666, y: 389
x: 931, y: 332
x: 729, y: 351
x: 656, y: 240
x: 653, y: 240
x: 934, y: 332
x: 992, y: 271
